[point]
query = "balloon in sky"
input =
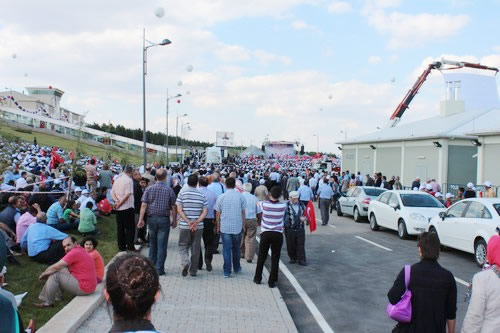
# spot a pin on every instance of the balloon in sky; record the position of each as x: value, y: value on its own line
x: 189, y: 68
x: 330, y: 96
x: 159, y: 12
x: 179, y: 83
x: 393, y: 79
x: 321, y: 109
x: 188, y: 92
x: 25, y: 74
x: 14, y: 56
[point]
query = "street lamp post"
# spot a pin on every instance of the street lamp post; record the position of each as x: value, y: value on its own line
x: 317, y: 142
x: 144, y: 73
x: 177, y: 133
x: 184, y: 128
x: 166, y: 116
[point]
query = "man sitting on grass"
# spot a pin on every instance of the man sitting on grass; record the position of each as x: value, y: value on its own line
x: 75, y: 274
x: 42, y: 242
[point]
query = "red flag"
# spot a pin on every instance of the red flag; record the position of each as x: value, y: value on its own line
x: 311, y: 216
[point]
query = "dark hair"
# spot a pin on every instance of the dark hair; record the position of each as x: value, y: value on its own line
x: 193, y: 180
x: 73, y: 239
x: 230, y: 182
x: 92, y: 161
x: 461, y: 189
x: 69, y: 204
x: 276, y: 192
x: 429, y: 244
x: 132, y: 283
x: 89, y: 204
x: 32, y: 210
x: 89, y: 238
x: 203, y: 181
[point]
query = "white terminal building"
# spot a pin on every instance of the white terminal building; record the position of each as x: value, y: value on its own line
x: 41, y: 110
x: 460, y: 144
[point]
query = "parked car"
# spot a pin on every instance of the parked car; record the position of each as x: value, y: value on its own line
x: 356, y: 201
x: 407, y: 212
x: 468, y: 225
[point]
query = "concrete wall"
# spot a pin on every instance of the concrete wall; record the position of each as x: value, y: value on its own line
x: 389, y: 161
x: 421, y: 160
x: 349, y: 158
x: 488, y: 159
x: 462, y: 166
x: 365, y: 160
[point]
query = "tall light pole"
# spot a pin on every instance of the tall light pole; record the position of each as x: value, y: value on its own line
x: 317, y: 142
x: 184, y: 128
x: 144, y: 73
x: 177, y: 133
x: 166, y: 116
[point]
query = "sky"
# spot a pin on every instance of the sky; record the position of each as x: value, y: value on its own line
x: 296, y: 70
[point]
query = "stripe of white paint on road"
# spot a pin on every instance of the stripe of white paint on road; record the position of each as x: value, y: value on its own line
x: 305, y: 298
x: 373, y: 243
x: 318, y: 220
x: 462, y: 282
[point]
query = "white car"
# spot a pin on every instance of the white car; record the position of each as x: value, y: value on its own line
x: 356, y: 201
x: 468, y: 225
x: 407, y: 212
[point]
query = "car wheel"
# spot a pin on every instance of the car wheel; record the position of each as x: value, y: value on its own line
x: 480, y: 252
x: 356, y: 215
x: 339, y: 211
x: 373, y: 223
x: 402, y: 232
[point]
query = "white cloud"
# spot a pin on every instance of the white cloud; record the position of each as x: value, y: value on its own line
x: 406, y: 31
x: 267, y: 57
x: 339, y: 7
x: 230, y: 53
x: 374, y: 59
x: 496, y: 48
x: 301, y: 25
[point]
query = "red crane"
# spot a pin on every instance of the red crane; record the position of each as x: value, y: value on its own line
x: 439, y: 65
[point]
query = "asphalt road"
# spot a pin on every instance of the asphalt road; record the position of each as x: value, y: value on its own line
x: 348, y: 278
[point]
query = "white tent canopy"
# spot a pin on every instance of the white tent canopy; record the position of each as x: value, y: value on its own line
x: 252, y: 151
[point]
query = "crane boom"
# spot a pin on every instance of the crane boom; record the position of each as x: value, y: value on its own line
x: 439, y: 65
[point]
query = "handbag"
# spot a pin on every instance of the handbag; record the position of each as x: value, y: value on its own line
x: 401, y: 311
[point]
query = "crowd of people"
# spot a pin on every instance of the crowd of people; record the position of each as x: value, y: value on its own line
x: 47, y: 196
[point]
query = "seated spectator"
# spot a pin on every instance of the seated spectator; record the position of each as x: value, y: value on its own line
x: 89, y: 243
x: 11, y: 214
x: 132, y: 287
x: 87, y: 220
x: 42, y: 242
x: 26, y: 220
x: 92, y: 199
x: 104, y: 207
x: 70, y: 214
x: 21, y: 181
x: 85, y: 195
x: 55, y: 216
x: 75, y: 274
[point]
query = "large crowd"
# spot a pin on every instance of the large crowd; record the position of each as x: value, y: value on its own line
x: 47, y: 192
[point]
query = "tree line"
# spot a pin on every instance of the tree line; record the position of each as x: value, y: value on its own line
x: 157, y: 138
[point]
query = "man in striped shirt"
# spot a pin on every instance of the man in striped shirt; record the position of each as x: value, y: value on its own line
x: 192, y: 207
x: 271, y: 236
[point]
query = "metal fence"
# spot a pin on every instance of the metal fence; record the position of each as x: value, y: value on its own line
x: 480, y: 189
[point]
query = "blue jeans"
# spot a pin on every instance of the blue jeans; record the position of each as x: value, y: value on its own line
x: 159, y: 230
x: 231, y: 247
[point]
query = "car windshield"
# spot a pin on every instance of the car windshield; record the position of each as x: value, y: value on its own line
x: 420, y: 200
x: 373, y: 192
x: 497, y: 208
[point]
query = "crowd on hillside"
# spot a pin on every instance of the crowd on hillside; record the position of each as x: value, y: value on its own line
x: 46, y: 196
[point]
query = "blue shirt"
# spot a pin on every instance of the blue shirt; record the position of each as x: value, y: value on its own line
x: 305, y: 193
x: 38, y: 237
x: 211, y: 199
x: 251, y: 207
x: 325, y: 191
x: 217, y: 188
x: 230, y: 204
x: 54, y: 213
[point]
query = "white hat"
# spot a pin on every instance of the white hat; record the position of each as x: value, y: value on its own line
x: 262, y: 182
x: 438, y: 195
x: 415, y: 188
x: 78, y: 189
x: 487, y: 183
x: 85, y: 191
x: 449, y: 195
x: 294, y: 194
x: 470, y: 185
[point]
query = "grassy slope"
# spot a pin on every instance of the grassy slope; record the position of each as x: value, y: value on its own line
x: 25, y: 277
x: 69, y: 145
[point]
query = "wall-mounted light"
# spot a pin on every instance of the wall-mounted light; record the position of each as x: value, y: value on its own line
x: 476, y: 143
x: 437, y: 144
x: 373, y: 147
x: 339, y: 147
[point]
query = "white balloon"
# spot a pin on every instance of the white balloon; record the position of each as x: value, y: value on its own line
x: 189, y: 68
x: 179, y: 83
x: 188, y: 92
x: 14, y: 56
x: 393, y: 79
x: 321, y: 109
x: 330, y: 96
x: 25, y: 74
x: 159, y: 12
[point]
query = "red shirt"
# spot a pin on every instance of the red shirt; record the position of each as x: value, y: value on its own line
x: 99, y: 263
x: 82, y: 267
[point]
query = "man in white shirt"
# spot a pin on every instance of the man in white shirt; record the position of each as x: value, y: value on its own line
x: 253, y: 214
x: 21, y: 182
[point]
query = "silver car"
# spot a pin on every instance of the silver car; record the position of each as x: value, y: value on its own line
x: 356, y: 201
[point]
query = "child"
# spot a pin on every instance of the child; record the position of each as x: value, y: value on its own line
x: 448, y: 201
x: 90, y: 244
x: 88, y: 220
x: 70, y: 214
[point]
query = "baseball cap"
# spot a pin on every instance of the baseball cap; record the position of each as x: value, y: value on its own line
x: 449, y: 195
x: 487, y: 183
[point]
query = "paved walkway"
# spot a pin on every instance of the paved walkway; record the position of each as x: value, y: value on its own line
x: 214, y: 303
